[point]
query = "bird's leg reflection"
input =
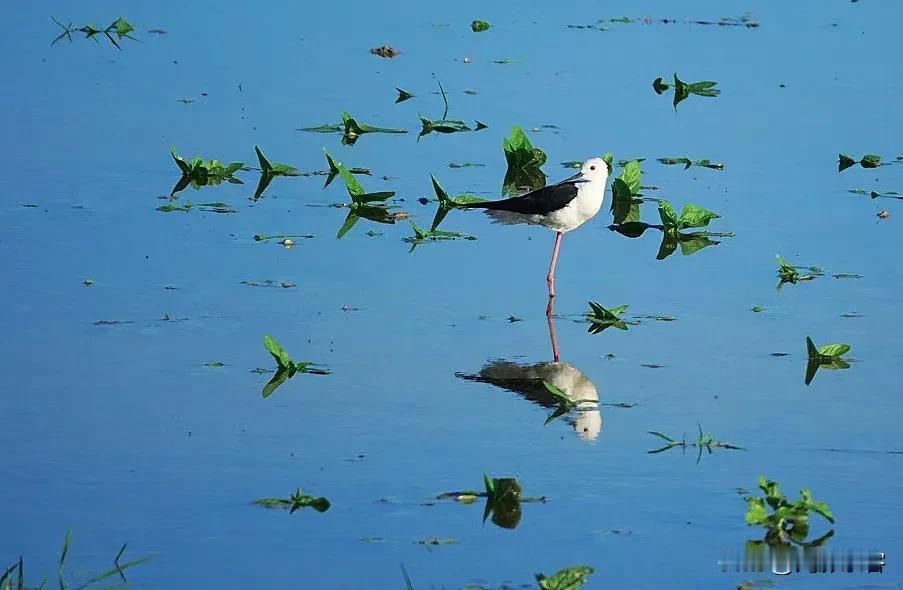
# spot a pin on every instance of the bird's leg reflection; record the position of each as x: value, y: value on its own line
x: 551, y: 322
x: 528, y: 380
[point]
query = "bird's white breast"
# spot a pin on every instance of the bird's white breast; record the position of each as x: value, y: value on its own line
x: 580, y: 210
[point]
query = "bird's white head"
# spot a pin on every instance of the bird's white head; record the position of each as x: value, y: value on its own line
x: 595, y: 169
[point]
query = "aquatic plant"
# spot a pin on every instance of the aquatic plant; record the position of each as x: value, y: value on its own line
x: 447, y: 203
x: 295, y: 502
x: 828, y: 356
x: 570, y: 578
x: 524, y: 163
x: 705, y: 442
x: 445, y: 125
x: 682, y: 89
x: 479, y: 26
x: 601, y: 318
x: 788, y: 273
x: 13, y: 577
x: 197, y: 172
x: 286, y: 368
x: 867, y: 161
x: 270, y: 171
x: 119, y: 27
x: 783, y: 520
x: 687, y: 162
x: 625, y: 194
x: 363, y: 204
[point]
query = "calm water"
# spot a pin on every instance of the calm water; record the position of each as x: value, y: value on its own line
x: 121, y: 433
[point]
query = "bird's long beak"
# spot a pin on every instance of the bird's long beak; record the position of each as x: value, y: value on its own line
x: 576, y: 178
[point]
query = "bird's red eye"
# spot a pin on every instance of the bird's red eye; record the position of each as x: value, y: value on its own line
x: 592, y: 167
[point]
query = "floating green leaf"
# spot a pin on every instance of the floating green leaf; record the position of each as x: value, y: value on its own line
x: 295, y: 502
x: 403, y: 95
x: 687, y: 162
x: 704, y: 442
x: 682, y: 89
x: 119, y: 27
x: 478, y: 26
x: 827, y: 356
x: 524, y: 162
x: 868, y: 161
x: 353, y: 130
x: 601, y: 318
x: 286, y: 367
x: 571, y: 578
x: 786, y: 521
x: 197, y: 172
x: 446, y: 203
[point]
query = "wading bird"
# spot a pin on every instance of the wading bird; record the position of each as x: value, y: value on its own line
x: 561, y: 207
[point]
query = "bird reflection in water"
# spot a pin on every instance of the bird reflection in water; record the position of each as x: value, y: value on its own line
x: 527, y: 380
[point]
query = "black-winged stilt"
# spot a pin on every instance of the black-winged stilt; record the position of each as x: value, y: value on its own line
x: 561, y: 207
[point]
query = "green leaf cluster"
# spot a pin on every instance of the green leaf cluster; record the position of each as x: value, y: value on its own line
x: 705, y: 442
x: 197, y: 172
x: 788, y: 273
x: 682, y: 89
x: 447, y: 203
x: 13, y: 577
x: 503, y: 499
x: 781, y: 518
x: 286, y: 368
x: 479, y: 26
x: 352, y: 130
x: 524, y: 162
x: 601, y: 318
x: 687, y: 162
x: 868, y: 161
x: 690, y: 216
x: 827, y: 356
x: 625, y: 194
x: 269, y: 171
x: 571, y: 578
x: 119, y: 27
x: 295, y: 502
x: 363, y: 204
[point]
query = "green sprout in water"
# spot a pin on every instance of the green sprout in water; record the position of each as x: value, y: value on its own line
x: 705, y: 442
x: 601, y: 318
x: 334, y: 169
x: 363, y: 204
x: 296, y: 501
x: 682, y: 89
x: 351, y: 130
x: 687, y: 162
x: 403, y: 95
x: 432, y: 235
x: 786, y: 521
x: 673, y: 226
x: 286, y: 368
x: 566, y: 404
x: 447, y: 203
x: 625, y: 194
x: 445, y: 125
x: 270, y: 171
x: 570, y: 578
x: 119, y: 27
x: 197, y: 172
x: 868, y: 161
x: 524, y: 162
x: 788, y: 273
x: 13, y: 577
x: 827, y: 356
x: 503, y: 500
x: 479, y: 26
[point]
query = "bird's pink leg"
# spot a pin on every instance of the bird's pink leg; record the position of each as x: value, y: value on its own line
x: 550, y: 278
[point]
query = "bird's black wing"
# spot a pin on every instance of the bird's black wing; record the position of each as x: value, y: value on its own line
x: 539, y: 202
